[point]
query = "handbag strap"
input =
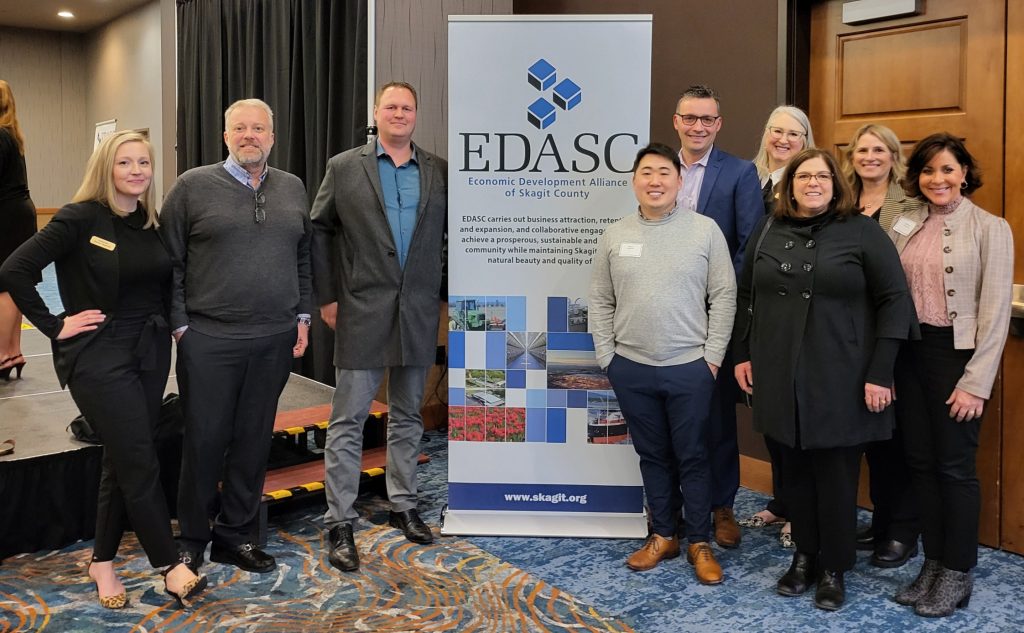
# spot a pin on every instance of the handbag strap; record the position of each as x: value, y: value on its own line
x: 757, y: 249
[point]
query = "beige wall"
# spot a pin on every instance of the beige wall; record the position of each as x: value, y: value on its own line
x: 46, y: 71
x: 123, y: 64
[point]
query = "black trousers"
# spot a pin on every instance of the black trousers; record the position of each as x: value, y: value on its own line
x: 821, y: 489
x: 723, y: 445
x: 895, y: 515
x: 666, y: 410
x: 777, y: 505
x: 940, y: 451
x: 229, y: 389
x: 118, y: 384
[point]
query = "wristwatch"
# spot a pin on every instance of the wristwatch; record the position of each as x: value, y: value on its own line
x: 304, y: 320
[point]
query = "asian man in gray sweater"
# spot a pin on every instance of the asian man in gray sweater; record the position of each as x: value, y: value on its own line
x: 662, y: 302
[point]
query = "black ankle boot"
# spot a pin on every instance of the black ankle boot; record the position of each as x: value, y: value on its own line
x: 909, y: 595
x: 950, y: 591
x: 831, y: 592
x: 343, y: 553
x: 799, y: 576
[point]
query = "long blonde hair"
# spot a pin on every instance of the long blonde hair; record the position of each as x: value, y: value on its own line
x: 761, y: 159
x: 9, y: 116
x: 98, y: 183
x: 891, y: 142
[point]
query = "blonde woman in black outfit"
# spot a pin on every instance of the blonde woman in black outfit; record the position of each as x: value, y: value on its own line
x: 17, y: 224
x: 112, y: 346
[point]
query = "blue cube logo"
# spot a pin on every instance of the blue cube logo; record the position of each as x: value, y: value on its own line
x: 540, y: 113
x: 541, y: 75
x: 567, y: 95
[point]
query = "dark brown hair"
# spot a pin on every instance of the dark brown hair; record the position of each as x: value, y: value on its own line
x: 926, y: 149
x: 842, y: 196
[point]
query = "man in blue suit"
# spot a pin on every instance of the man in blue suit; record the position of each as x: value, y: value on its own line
x: 725, y: 189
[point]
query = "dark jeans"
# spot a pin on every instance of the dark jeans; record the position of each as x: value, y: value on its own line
x: 940, y: 451
x: 666, y: 410
x: 118, y: 385
x: 821, y: 489
x: 229, y: 389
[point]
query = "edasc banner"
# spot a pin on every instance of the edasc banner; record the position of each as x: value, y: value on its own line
x: 546, y: 114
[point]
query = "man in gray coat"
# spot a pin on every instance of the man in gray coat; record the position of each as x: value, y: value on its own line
x: 378, y: 248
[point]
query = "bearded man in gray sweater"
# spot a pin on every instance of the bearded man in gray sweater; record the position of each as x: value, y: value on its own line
x: 239, y: 236
x: 662, y: 303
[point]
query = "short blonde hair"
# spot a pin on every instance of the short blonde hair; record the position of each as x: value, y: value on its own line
x: 891, y: 142
x: 98, y: 183
x: 761, y: 159
x: 249, y: 103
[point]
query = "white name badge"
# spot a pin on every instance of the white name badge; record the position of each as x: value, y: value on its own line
x: 904, y: 226
x: 630, y: 249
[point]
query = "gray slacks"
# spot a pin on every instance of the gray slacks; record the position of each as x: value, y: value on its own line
x: 343, y: 452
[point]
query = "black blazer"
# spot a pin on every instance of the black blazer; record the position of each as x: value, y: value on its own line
x: 77, y: 240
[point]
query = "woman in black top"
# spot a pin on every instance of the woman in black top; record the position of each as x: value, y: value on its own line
x: 112, y: 345
x: 821, y: 308
x: 17, y: 224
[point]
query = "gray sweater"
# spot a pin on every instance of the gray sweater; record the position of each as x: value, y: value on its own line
x: 662, y: 292
x: 233, y: 277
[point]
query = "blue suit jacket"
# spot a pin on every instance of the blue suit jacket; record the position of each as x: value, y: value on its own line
x: 731, y: 196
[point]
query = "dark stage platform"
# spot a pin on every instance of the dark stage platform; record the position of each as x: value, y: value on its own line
x: 48, y: 485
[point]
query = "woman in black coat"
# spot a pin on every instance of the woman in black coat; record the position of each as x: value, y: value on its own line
x: 17, y: 224
x: 111, y: 346
x: 821, y: 308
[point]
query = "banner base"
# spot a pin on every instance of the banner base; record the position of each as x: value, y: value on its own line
x: 566, y: 524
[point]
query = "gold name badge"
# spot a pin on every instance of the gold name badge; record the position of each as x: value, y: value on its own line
x: 102, y: 243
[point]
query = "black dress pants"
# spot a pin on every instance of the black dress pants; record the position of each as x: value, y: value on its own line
x: 118, y: 384
x: 821, y: 489
x: 777, y: 505
x: 895, y: 515
x: 229, y: 389
x: 940, y: 451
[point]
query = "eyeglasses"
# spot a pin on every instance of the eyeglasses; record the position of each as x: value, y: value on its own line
x: 803, y: 177
x: 690, y: 119
x: 791, y: 135
x: 259, y: 211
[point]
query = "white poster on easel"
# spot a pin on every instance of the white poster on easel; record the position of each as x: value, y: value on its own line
x: 546, y: 114
x: 103, y: 130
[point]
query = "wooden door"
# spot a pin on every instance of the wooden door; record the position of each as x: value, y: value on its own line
x: 942, y: 70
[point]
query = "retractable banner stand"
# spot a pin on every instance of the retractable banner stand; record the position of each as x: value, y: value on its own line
x: 546, y: 114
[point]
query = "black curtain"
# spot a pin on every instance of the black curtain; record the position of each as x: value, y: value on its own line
x: 307, y: 60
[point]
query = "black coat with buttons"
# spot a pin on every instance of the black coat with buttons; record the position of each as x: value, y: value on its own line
x: 824, y: 289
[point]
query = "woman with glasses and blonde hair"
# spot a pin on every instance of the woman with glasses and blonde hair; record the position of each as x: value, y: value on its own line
x: 822, y: 308
x: 112, y: 346
x: 17, y: 224
x: 786, y: 134
x: 874, y: 167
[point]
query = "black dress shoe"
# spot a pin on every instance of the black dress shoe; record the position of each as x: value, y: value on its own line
x: 411, y: 525
x: 893, y: 553
x: 193, y: 559
x: 865, y: 539
x: 246, y: 557
x: 343, y: 553
x: 831, y: 592
x: 799, y: 577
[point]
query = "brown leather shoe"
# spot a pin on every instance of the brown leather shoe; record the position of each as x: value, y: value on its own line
x: 727, y: 531
x: 655, y: 549
x: 708, y: 571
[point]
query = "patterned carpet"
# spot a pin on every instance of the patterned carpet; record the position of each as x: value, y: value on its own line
x: 484, y: 584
